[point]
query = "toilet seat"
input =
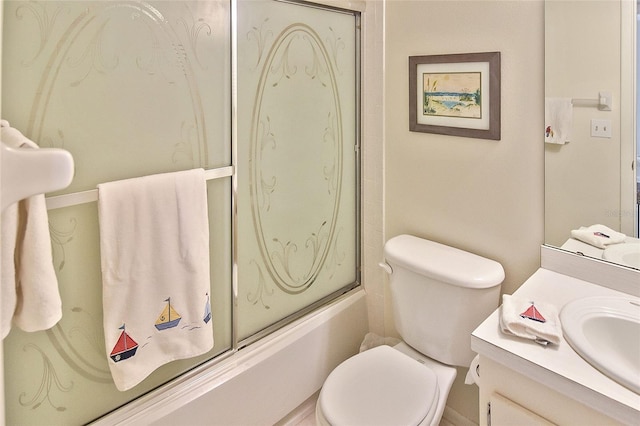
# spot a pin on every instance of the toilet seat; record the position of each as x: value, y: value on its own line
x: 381, y: 386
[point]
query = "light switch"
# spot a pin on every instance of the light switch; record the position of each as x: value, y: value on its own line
x: 601, y: 128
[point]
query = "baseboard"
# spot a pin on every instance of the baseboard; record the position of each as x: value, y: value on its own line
x: 452, y: 417
x: 306, y: 410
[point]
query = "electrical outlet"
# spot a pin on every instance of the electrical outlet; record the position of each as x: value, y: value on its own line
x: 601, y: 128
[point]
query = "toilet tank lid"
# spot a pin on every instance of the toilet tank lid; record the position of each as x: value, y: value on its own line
x: 444, y: 263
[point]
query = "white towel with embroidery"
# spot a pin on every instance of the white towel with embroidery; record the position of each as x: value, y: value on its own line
x: 558, y: 120
x: 530, y: 319
x: 29, y: 286
x: 154, y: 242
x: 598, y: 236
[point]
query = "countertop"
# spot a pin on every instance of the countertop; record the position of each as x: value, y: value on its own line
x: 557, y: 366
x: 577, y: 246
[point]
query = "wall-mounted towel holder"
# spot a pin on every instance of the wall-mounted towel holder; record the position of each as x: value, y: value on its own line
x: 27, y: 171
x: 603, y: 102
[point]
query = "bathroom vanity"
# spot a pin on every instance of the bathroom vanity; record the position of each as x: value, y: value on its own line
x: 522, y: 382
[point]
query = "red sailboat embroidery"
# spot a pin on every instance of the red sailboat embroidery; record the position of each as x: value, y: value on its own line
x: 125, y: 347
x: 533, y: 314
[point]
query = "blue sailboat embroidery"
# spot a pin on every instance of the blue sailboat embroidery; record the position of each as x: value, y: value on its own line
x: 207, y: 310
x: 168, y: 318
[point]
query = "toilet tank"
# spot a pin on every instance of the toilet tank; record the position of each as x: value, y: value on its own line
x: 439, y: 295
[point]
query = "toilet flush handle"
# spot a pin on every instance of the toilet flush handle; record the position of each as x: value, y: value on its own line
x: 387, y: 268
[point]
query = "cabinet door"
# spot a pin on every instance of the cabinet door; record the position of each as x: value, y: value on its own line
x: 506, y: 412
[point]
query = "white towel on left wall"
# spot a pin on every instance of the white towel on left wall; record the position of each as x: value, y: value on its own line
x: 154, y: 242
x: 29, y: 286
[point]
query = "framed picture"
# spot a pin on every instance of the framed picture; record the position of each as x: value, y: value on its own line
x: 456, y: 95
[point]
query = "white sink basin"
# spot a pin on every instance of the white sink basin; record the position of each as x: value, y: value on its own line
x: 605, y: 331
x: 625, y: 254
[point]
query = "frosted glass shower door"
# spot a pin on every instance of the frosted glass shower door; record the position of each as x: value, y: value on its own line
x: 130, y: 89
x: 297, y: 159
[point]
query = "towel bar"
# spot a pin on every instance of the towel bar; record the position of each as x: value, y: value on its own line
x: 82, y: 197
x: 603, y: 101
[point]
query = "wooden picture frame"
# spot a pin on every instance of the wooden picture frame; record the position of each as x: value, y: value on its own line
x: 455, y: 95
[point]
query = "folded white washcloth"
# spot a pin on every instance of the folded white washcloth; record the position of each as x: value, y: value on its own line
x: 154, y: 243
x: 529, y: 319
x: 558, y: 120
x: 29, y: 286
x: 598, y: 236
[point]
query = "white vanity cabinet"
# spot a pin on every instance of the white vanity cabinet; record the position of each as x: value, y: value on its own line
x: 527, y: 383
x: 503, y: 411
x: 508, y: 398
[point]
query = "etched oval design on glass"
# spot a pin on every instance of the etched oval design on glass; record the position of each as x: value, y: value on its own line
x: 291, y: 180
x: 120, y: 69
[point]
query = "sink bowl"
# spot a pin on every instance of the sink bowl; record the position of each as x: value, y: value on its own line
x: 605, y: 331
x: 625, y: 254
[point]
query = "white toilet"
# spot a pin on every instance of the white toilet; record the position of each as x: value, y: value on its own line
x: 439, y: 296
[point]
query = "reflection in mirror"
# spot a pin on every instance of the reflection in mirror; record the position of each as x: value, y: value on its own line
x: 591, y: 181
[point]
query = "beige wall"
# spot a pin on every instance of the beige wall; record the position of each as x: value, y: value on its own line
x: 478, y: 195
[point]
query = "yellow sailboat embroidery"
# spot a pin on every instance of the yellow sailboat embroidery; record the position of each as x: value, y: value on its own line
x: 168, y: 318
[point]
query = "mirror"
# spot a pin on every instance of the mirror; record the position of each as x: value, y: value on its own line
x: 590, y: 149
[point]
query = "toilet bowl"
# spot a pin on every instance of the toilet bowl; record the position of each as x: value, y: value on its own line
x: 439, y: 295
x: 385, y: 386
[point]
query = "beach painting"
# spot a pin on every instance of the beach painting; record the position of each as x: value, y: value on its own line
x: 455, y: 94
